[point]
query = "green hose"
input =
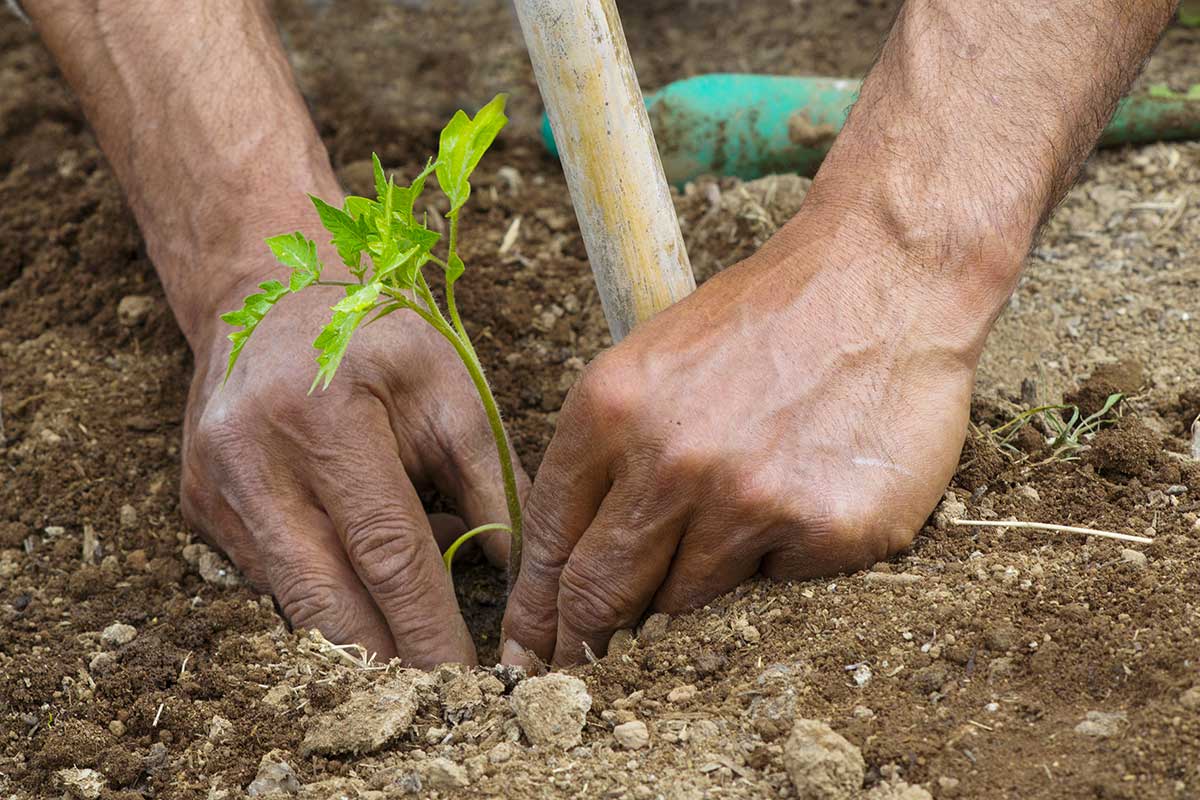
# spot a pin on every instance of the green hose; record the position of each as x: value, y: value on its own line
x: 748, y: 126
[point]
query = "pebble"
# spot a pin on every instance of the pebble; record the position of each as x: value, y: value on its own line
x: 552, y: 709
x: 368, y: 719
x: 951, y: 508
x: 1134, y: 558
x: 822, y: 764
x: 116, y: 728
x: 442, y: 773
x: 219, y: 729
x: 91, y: 545
x: 102, y: 663
x: 212, y: 566
x: 863, y: 712
x: 892, y: 578
x: 1191, y: 698
x: 134, y: 308
x: 491, y: 685
x: 654, y: 628
x: 1029, y: 493
x: 128, y: 516
x: 275, y: 774
x: 681, y: 694
x: 898, y: 790
x: 1101, y: 724
x: 749, y: 634
x: 502, y: 753
x: 84, y: 784
x: 632, y: 735
x: 861, y: 675
x: 118, y: 634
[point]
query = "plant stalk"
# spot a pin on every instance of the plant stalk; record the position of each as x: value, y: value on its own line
x: 462, y: 345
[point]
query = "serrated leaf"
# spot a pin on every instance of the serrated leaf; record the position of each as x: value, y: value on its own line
x: 359, y: 207
x: 298, y: 253
x: 381, y: 182
x: 348, y: 314
x: 463, y: 142
x: 349, y: 234
x: 253, y: 309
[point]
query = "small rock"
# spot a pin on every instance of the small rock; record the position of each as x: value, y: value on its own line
x: 950, y: 509
x: 219, y: 729
x: 369, y: 719
x: 102, y: 663
x: 442, y: 773
x: 681, y: 694
x: 116, y: 728
x: 552, y: 709
x: 930, y: 679
x: 821, y: 763
x: 863, y: 712
x: 1191, y: 698
x: 118, y: 634
x: 134, y: 308
x: 654, y: 628
x: 91, y: 545
x: 947, y: 786
x: 275, y: 774
x: 502, y: 753
x: 897, y: 789
x: 632, y: 735
x: 84, y: 784
x: 128, y: 516
x: 212, y: 566
x: 1101, y: 724
x: 1029, y: 493
x: 1134, y: 558
x: 749, y: 634
x: 861, y: 675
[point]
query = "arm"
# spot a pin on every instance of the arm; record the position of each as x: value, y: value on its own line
x: 802, y: 412
x: 197, y: 110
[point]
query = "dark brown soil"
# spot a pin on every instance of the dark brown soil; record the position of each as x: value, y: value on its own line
x: 985, y: 648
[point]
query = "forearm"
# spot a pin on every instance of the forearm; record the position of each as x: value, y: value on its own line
x: 975, y: 121
x: 195, y: 107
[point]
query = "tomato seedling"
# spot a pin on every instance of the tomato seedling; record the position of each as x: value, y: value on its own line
x: 397, y: 246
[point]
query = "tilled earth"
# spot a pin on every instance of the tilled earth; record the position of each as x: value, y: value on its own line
x: 983, y: 663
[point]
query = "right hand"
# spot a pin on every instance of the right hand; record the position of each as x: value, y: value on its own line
x: 315, y: 497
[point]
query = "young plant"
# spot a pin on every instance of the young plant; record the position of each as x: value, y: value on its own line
x: 1069, y: 428
x: 397, y: 246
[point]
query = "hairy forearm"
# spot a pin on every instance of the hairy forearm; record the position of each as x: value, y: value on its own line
x: 975, y: 121
x: 195, y: 107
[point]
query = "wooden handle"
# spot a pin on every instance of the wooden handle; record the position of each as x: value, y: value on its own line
x: 617, y: 184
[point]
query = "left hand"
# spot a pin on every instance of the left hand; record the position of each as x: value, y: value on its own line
x: 799, y: 415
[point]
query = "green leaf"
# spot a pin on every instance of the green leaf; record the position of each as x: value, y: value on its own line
x: 298, y: 253
x: 349, y: 234
x: 253, y: 309
x: 455, y: 268
x: 359, y: 207
x: 463, y: 142
x: 334, y: 338
x: 381, y: 181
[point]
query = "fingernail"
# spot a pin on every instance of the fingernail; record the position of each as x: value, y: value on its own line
x: 513, y: 655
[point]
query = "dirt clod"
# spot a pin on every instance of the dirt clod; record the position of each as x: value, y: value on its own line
x: 84, y: 784
x: 632, y: 735
x: 822, y: 764
x: 368, y: 719
x: 552, y: 709
x: 275, y: 775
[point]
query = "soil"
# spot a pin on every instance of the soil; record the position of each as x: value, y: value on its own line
x: 982, y: 663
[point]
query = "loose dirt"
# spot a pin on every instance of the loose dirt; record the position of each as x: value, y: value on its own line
x: 982, y: 663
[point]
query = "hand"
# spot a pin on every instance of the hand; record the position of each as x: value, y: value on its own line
x: 799, y: 415
x: 315, y: 497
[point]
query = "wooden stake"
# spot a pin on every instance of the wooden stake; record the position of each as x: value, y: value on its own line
x: 608, y: 153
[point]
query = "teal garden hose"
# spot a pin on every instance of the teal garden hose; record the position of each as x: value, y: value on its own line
x: 748, y: 126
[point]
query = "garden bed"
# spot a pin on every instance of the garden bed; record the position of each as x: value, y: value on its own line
x: 969, y: 665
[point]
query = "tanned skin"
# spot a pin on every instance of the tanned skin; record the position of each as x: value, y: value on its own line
x: 799, y: 415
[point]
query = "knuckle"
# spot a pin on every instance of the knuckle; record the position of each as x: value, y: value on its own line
x: 311, y: 600
x: 865, y: 532
x: 609, y: 393
x: 588, y: 604
x: 384, y: 555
